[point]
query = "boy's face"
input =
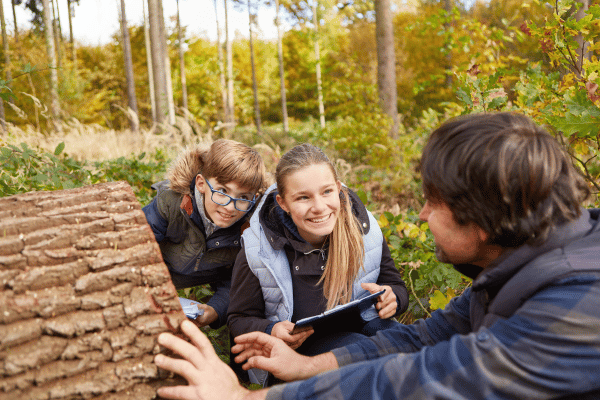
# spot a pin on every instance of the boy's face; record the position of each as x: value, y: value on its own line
x: 227, y: 215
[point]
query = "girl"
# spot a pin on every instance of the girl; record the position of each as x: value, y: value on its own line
x: 198, y: 214
x: 311, y: 245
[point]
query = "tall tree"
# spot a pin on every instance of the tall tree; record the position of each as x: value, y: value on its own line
x: 181, y: 63
x: 284, y: 112
x: 131, y: 97
x: 57, y: 35
x: 158, y: 62
x: 251, y: 21
x: 165, y: 51
x: 229, y: 113
x: 318, y: 66
x: 13, y: 4
x: 220, y: 62
x: 386, y: 62
x: 71, y: 37
x: 149, y: 62
x: 6, y: 63
x: 582, y: 48
x: 54, y: 106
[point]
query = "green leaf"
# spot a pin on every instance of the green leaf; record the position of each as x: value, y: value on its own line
x: 59, y: 149
x: 438, y: 301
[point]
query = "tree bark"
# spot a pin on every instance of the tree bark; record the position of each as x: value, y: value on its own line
x: 229, y: 114
x: 221, y: 64
x: 254, y: 84
x: 6, y: 64
x: 57, y: 35
x: 15, y: 20
x: 284, y: 113
x: 149, y: 62
x: 582, y: 46
x: 71, y: 38
x: 165, y: 50
x: 158, y: 62
x: 318, y: 66
x: 48, y: 30
x: 386, y: 63
x: 184, y: 95
x: 131, y: 97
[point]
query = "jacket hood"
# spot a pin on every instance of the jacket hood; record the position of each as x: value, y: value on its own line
x: 184, y: 170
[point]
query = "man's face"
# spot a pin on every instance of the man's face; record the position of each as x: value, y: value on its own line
x: 454, y: 243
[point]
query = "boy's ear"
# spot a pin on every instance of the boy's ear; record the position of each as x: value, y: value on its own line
x: 281, y: 203
x: 200, y: 183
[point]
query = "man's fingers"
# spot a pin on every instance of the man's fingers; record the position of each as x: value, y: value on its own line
x: 177, y: 392
x: 178, y: 366
x: 197, y: 337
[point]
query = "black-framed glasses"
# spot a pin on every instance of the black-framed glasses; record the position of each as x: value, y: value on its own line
x: 223, y: 199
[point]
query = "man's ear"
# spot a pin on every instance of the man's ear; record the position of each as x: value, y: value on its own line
x: 200, y: 183
x: 281, y: 203
x: 483, y: 235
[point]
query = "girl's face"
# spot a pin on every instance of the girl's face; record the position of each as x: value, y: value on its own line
x: 312, y: 199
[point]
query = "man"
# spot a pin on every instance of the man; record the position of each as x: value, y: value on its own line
x: 503, y: 204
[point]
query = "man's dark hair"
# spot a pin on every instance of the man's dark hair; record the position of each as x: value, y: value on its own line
x: 504, y: 173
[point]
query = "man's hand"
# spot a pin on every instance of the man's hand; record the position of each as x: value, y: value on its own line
x: 208, y: 377
x: 386, y: 304
x: 282, y: 331
x: 263, y: 351
x: 209, y: 316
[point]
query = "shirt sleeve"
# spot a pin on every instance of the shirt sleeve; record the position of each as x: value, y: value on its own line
x: 220, y: 302
x: 155, y: 219
x: 389, y: 275
x: 549, y: 348
x: 246, y: 304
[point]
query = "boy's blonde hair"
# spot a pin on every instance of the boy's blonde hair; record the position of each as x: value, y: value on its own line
x: 225, y: 160
x: 346, y: 246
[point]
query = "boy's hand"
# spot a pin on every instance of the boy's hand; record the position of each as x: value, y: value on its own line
x: 209, y: 316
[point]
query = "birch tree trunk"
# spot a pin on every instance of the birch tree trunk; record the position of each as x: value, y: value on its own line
x: 6, y: 64
x: 221, y: 64
x: 158, y: 62
x: 318, y: 67
x: 165, y: 51
x: 284, y: 113
x: 71, y: 38
x: 182, y: 64
x: 48, y: 31
x: 582, y: 48
x: 149, y: 62
x: 132, y: 100
x: 15, y: 20
x: 57, y: 36
x: 230, y: 114
x: 254, y: 84
x: 386, y: 62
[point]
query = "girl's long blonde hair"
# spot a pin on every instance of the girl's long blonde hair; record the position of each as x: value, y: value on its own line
x: 346, y: 246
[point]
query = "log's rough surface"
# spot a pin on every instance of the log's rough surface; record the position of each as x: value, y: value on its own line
x: 84, y: 294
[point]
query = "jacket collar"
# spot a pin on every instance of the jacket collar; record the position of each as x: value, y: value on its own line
x: 512, y: 260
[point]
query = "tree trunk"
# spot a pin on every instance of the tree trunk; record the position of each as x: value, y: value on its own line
x: 54, y: 107
x: 184, y: 101
x: 386, y: 62
x: 15, y: 20
x: 254, y: 84
x: 57, y: 36
x: 318, y: 67
x: 165, y: 50
x: 281, y: 70
x: 158, y: 62
x: 6, y: 64
x: 582, y: 46
x: 71, y: 38
x: 132, y: 100
x: 230, y: 114
x: 448, y: 67
x: 221, y: 64
x: 149, y: 62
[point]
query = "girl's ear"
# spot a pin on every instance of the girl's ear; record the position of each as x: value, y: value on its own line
x: 281, y: 203
x: 200, y: 183
x: 339, y: 185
